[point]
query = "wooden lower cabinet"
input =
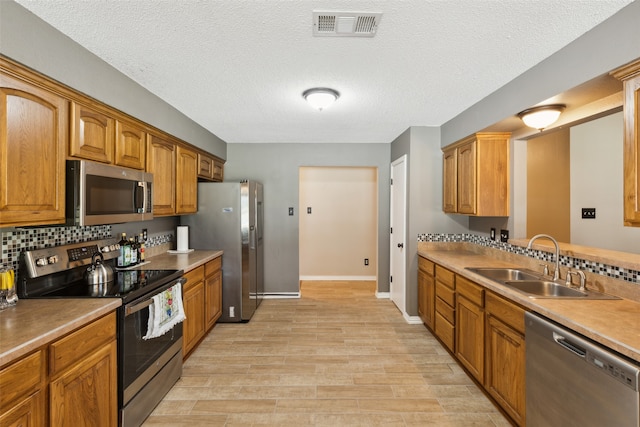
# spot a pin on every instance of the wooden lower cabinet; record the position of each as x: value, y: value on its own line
x: 426, y: 292
x: 505, y: 356
x: 445, y: 296
x: 213, y: 291
x: 193, y: 302
x: 470, y: 327
x: 202, y: 300
x: 80, y: 371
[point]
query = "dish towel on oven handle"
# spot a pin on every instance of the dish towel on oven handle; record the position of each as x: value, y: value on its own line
x: 165, y: 311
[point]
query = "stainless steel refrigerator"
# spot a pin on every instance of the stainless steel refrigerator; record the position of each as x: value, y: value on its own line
x: 230, y: 218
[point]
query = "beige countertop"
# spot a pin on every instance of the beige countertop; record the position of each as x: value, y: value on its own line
x: 32, y: 323
x: 613, y: 323
x: 186, y: 262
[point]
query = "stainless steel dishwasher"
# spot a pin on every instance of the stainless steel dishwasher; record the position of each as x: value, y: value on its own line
x: 573, y: 381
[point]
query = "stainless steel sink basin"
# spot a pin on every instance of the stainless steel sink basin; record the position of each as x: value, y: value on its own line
x: 545, y: 289
x: 506, y: 274
x: 534, y: 285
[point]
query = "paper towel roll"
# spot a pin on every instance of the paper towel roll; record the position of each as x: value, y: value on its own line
x: 183, y: 237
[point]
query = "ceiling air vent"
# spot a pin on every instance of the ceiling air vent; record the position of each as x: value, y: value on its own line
x: 345, y: 24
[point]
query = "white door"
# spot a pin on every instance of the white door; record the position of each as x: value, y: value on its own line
x: 398, y: 262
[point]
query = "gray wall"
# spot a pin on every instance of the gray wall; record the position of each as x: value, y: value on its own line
x: 421, y: 144
x: 277, y: 167
x: 27, y: 39
x: 609, y: 45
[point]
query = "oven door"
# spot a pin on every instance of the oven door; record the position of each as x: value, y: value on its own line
x: 140, y: 359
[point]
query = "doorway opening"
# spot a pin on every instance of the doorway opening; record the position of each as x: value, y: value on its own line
x: 338, y: 224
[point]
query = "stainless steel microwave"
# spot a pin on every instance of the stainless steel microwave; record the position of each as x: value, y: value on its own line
x: 104, y: 194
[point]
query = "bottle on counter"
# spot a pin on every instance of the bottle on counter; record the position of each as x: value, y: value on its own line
x: 124, y: 256
x: 141, y: 248
x: 134, y: 251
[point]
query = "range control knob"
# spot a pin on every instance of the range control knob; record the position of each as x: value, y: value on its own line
x: 41, y: 262
x: 106, y: 249
x: 52, y: 259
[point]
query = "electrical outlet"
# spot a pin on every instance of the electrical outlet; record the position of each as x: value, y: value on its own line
x: 366, y: 261
x: 589, y: 213
x: 492, y: 234
x: 290, y: 211
x: 504, y: 235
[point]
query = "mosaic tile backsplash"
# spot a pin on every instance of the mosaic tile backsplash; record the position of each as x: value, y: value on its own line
x: 17, y: 240
x: 612, y: 271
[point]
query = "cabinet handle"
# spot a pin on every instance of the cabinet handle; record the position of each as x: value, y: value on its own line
x: 401, y: 245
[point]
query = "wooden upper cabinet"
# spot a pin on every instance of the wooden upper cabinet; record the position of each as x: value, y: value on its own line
x: 130, y: 145
x: 92, y: 134
x: 33, y: 133
x: 210, y: 168
x: 630, y: 76
x: 187, y: 176
x: 481, y: 179
x: 450, y: 180
x: 161, y: 162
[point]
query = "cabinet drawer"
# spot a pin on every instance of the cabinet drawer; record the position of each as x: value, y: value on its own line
x: 194, y: 276
x: 447, y: 294
x: 445, y: 276
x: 508, y: 312
x: 21, y: 378
x: 72, y: 348
x: 446, y: 311
x: 470, y: 290
x: 212, y: 266
x: 445, y: 331
x: 426, y: 265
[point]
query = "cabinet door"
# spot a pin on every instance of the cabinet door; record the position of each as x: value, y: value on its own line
x: 632, y: 149
x: 193, y: 300
x: 161, y: 162
x: 86, y: 394
x: 450, y: 180
x: 505, y: 367
x: 218, y: 170
x: 187, y: 176
x: 467, y: 178
x: 213, y: 298
x: 130, y: 145
x: 33, y: 133
x: 205, y: 167
x: 470, y: 336
x: 92, y: 134
x: 426, y: 298
x: 28, y: 412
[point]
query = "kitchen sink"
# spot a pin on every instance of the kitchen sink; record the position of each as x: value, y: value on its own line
x: 534, y: 285
x: 505, y: 274
x: 545, y: 289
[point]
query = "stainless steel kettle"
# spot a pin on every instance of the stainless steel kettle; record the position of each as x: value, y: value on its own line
x: 98, y: 273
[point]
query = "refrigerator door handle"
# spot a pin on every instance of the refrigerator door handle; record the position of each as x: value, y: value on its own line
x: 252, y: 237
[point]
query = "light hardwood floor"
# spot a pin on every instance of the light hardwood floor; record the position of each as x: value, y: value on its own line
x: 338, y: 356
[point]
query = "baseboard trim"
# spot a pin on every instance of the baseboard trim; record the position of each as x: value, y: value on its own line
x: 346, y: 278
x: 413, y: 320
x: 383, y: 295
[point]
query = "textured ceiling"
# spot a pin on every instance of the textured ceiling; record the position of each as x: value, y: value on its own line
x: 238, y: 68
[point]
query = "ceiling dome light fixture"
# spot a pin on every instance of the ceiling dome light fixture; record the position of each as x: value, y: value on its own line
x: 320, y: 97
x: 541, y: 117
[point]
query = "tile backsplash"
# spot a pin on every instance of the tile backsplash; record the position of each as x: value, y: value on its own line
x: 615, y: 272
x: 14, y: 241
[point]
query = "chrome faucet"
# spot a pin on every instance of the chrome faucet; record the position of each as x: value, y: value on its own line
x: 556, y: 273
x: 583, y: 279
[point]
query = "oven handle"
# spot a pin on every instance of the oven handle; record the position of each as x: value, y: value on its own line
x: 146, y: 303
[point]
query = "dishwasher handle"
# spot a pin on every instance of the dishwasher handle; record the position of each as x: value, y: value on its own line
x: 574, y: 348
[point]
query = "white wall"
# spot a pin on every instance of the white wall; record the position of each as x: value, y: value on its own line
x: 341, y: 230
x: 596, y: 182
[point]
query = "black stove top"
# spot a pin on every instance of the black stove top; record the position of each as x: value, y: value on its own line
x: 59, y: 273
x: 127, y: 284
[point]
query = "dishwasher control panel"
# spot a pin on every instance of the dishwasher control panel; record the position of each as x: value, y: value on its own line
x: 613, y: 369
